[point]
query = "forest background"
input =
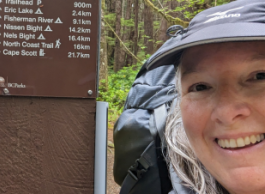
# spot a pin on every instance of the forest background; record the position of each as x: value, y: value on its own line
x: 131, y: 31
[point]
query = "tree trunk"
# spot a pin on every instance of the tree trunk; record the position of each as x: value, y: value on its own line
x: 129, y: 58
x: 169, y: 18
x: 126, y: 32
x: 103, y: 70
x: 110, y: 48
x: 162, y: 37
x: 135, y: 37
x: 117, y: 62
x: 148, y: 30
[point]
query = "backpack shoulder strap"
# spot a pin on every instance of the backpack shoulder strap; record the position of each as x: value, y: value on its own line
x: 157, y: 122
x: 160, y: 118
x: 136, y: 171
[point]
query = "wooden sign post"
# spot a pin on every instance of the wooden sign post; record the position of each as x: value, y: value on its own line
x: 48, y: 87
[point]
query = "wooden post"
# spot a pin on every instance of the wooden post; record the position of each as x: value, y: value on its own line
x: 46, y: 145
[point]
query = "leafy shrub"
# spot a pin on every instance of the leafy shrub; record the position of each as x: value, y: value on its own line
x: 115, y: 90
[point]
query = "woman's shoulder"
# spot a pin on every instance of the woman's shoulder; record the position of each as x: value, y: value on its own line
x: 178, y: 188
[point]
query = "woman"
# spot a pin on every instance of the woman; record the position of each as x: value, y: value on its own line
x: 215, y: 136
x: 222, y: 111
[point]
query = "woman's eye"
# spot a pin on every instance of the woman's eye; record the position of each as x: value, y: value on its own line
x: 198, y: 88
x: 259, y: 76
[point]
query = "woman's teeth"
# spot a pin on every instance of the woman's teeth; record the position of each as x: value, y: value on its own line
x: 240, y: 142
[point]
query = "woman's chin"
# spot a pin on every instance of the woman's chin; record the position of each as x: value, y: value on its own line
x: 245, y: 181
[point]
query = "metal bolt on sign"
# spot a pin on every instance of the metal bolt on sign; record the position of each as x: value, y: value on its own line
x: 90, y: 92
x: 6, y: 91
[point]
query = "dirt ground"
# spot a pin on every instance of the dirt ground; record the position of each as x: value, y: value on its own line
x: 112, y: 187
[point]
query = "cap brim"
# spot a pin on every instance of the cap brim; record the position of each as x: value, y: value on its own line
x: 214, y: 34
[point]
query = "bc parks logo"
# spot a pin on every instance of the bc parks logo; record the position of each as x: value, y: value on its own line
x: 223, y: 15
x: 10, y: 85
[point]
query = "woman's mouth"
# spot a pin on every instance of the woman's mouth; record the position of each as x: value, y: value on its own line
x: 240, y: 142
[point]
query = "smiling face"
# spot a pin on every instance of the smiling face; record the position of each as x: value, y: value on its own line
x: 223, y: 101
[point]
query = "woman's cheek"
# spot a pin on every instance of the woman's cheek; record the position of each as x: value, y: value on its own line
x: 194, y: 116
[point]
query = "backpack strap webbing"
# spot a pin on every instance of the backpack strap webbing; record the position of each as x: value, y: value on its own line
x: 142, y: 164
x: 137, y: 170
x: 160, y: 115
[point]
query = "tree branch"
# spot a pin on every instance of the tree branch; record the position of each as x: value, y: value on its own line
x: 169, y: 18
x: 124, y: 46
x: 160, y: 4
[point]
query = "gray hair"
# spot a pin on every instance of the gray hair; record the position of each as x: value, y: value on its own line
x: 181, y: 155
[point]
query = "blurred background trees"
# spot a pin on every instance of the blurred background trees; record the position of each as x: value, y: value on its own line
x: 131, y: 31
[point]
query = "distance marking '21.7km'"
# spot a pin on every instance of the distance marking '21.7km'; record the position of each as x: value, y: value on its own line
x: 78, y: 55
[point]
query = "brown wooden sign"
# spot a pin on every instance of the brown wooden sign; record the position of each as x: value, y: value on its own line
x: 49, y: 47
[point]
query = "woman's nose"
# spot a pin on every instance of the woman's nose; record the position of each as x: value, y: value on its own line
x: 229, y: 107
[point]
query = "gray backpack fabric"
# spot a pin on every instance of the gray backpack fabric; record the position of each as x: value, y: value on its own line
x: 139, y: 165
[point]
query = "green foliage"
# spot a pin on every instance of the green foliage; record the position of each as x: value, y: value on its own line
x: 110, y: 18
x: 111, y: 41
x: 221, y: 2
x: 128, y: 23
x: 116, y: 89
x: 190, y: 8
x: 156, y: 25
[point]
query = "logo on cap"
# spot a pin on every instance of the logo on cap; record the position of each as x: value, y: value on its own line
x: 222, y: 15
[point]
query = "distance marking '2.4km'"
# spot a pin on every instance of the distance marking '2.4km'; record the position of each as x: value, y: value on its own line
x: 81, y: 13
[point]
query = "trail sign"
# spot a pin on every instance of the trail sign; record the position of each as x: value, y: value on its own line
x: 49, y: 48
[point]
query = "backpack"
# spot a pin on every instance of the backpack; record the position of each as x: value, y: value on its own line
x: 136, y: 132
x: 139, y: 163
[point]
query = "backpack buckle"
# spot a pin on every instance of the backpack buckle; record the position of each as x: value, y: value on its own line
x: 137, y: 170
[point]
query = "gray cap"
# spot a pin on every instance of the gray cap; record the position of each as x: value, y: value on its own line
x: 241, y: 20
